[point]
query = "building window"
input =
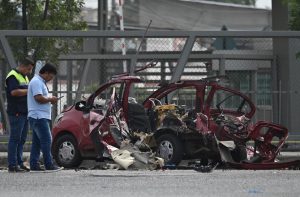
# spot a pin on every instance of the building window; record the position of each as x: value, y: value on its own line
x: 241, y: 80
x: 264, y: 94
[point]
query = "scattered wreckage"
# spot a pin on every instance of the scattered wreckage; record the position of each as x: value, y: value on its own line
x: 216, y: 130
x: 127, y: 149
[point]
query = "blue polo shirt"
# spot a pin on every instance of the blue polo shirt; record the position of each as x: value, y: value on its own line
x: 38, y: 110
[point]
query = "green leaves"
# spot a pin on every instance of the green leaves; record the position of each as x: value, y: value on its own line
x: 294, y: 22
x: 294, y: 9
x: 8, y: 17
x: 43, y: 15
x: 294, y: 19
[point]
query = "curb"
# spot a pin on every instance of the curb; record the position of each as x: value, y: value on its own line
x: 283, y: 156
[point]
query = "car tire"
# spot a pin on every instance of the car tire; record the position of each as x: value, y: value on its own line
x: 169, y: 148
x: 65, y: 151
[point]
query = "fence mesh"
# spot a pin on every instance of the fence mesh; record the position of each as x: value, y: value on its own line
x: 248, y: 75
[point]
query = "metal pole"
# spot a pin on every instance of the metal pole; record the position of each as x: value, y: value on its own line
x: 7, y: 52
x: 183, y: 58
x: 83, y: 79
x: 253, y: 89
x: 222, y: 68
x: 123, y: 43
x: 279, y: 102
x: 102, y: 25
x: 275, y: 97
x: 69, y: 82
x: 6, y: 125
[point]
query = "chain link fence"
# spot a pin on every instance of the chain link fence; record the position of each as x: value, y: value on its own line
x: 241, y: 72
x: 237, y: 59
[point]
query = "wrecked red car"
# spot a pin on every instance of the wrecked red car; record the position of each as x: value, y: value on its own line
x: 215, y: 128
x: 71, y: 129
x: 199, y: 119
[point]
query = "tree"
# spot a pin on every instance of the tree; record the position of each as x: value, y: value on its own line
x: 42, y: 15
x: 294, y: 18
x: 242, y: 2
x: 8, y: 12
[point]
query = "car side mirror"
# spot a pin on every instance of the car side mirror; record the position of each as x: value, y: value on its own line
x: 82, y: 106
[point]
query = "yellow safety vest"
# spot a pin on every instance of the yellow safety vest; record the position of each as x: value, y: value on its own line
x: 21, y: 79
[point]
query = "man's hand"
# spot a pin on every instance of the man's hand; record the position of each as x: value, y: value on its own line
x: 53, y: 100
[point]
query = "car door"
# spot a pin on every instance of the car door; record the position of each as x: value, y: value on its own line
x: 96, y: 109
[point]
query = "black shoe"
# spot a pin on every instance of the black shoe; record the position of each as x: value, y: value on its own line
x: 11, y: 169
x: 24, y: 168
x: 15, y: 169
x: 54, y: 168
x: 36, y: 169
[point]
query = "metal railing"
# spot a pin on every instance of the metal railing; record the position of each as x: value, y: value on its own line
x: 177, y: 53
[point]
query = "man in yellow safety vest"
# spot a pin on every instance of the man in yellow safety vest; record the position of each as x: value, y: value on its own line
x: 16, y: 85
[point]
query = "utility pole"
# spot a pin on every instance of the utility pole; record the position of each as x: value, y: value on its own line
x: 123, y: 43
x: 102, y: 25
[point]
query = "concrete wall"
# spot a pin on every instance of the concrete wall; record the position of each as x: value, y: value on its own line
x: 201, y: 15
x: 189, y: 15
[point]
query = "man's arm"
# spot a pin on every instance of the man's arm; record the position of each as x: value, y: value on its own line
x: 19, y: 92
x: 41, y: 99
x: 12, y: 85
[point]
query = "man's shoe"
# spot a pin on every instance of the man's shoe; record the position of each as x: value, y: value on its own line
x: 15, y: 169
x: 36, y: 169
x: 54, y: 168
x: 23, y: 167
x: 11, y: 168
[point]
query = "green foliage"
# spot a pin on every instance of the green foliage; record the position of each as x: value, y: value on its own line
x: 294, y: 20
x: 43, y: 15
x: 294, y: 9
x: 8, y: 17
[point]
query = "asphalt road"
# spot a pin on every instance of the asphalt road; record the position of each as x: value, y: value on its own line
x: 85, y: 183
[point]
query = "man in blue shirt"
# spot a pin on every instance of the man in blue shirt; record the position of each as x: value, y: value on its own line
x: 16, y: 85
x: 39, y: 116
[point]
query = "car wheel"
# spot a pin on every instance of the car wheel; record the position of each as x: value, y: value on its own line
x: 65, y: 151
x: 170, y: 148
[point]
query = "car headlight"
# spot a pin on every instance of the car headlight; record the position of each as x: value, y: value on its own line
x: 58, y: 118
